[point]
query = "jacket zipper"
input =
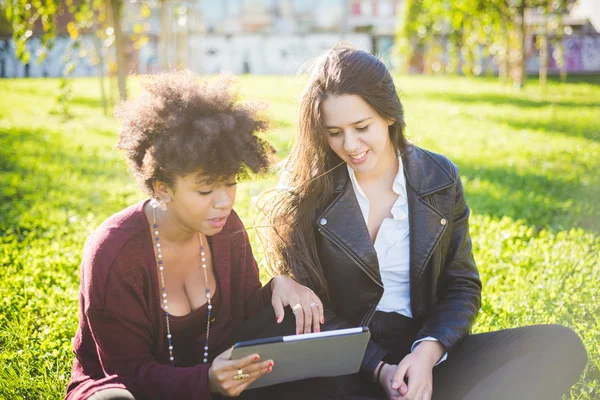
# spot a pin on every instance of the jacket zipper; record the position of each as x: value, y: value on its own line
x: 367, y: 318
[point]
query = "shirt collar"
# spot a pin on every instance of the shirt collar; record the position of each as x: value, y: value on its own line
x: 399, y: 186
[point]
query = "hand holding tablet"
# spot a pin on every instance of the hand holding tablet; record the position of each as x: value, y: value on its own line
x: 296, y: 357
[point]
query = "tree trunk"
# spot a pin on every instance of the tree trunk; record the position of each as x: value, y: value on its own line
x: 521, y: 32
x: 164, y: 36
x: 115, y: 8
x: 504, y: 60
x: 100, y: 52
x: 543, y: 57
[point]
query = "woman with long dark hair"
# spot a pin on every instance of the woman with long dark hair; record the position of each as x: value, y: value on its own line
x: 378, y: 227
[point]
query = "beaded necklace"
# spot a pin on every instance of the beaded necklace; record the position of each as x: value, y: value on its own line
x: 165, y: 305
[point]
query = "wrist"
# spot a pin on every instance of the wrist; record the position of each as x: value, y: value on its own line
x: 211, y: 385
x: 382, y: 373
x: 377, y: 372
x: 275, y: 280
x: 430, y: 350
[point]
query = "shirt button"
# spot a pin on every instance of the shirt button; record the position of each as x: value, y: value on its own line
x: 323, y: 221
x: 443, y: 221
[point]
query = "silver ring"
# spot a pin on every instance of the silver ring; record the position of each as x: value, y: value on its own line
x: 314, y: 304
x: 296, y: 307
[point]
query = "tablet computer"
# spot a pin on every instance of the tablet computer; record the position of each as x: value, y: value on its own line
x: 296, y: 357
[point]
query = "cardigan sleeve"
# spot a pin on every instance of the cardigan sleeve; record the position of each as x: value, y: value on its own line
x: 256, y: 296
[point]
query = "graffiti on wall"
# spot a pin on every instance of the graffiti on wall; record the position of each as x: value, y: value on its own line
x: 258, y: 54
x: 582, y: 54
x: 52, y: 66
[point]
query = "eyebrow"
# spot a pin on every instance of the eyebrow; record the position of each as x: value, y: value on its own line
x: 353, y: 123
x: 202, y: 179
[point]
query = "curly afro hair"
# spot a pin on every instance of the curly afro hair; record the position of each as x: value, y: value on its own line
x: 180, y: 124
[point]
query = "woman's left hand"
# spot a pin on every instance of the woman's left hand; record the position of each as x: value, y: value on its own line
x: 306, y: 305
x: 417, y: 368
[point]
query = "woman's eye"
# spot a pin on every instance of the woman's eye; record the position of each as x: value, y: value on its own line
x: 362, y: 128
x: 334, y: 133
x: 231, y: 184
x: 205, y: 193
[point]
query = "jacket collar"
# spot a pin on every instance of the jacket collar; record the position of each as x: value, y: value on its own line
x: 425, y: 175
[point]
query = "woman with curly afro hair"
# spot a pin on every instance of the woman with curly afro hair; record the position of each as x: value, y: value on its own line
x: 165, y: 282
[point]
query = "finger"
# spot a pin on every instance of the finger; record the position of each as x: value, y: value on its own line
x: 229, y: 380
x: 279, y: 312
x: 299, y: 314
x: 425, y: 394
x: 257, y: 367
x: 316, y: 316
x: 398, y: 379
x: 415, y: 394
x: 241, y: 363
x: 321, y: 309
x: 255, y: 372
x: 416, y: 387
x: 226, y: 355
x: 308, y: 319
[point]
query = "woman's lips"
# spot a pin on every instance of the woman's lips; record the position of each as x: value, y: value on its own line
x: 361, y: 159
x: 218, y: 222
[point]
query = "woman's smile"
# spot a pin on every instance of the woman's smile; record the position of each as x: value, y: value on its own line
x: 359, y: 158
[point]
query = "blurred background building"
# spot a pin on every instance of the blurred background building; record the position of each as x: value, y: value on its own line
x: 266, y: 37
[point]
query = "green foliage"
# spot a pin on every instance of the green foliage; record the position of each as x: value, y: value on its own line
x: 472, y: 32
x: 529, y: 163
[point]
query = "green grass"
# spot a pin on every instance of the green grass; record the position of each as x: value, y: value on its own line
x: 530, y: 163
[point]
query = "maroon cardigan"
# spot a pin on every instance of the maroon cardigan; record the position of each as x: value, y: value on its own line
x: 121, y: 339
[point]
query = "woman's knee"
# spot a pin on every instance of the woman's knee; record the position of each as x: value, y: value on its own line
x: 563, y: 343
x: 112, y: 394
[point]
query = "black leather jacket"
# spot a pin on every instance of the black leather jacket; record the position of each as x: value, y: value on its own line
x: 445, y: 289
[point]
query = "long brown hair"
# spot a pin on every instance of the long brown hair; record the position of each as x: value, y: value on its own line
x: 308, y: 184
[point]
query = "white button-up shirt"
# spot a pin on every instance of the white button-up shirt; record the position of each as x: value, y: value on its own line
x: 392, y: 246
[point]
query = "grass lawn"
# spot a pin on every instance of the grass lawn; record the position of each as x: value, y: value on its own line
x: 530, y: 163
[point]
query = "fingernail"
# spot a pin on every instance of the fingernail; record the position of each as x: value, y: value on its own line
x: 256, y: 357
x: 317, y: 330
x: 322, y: 321
x: 269, y: 369
x: 270, y: 364
x: 278, y: 319
x: 395, y: 385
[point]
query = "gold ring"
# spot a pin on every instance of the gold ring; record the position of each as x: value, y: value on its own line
x: 314, y: 304
x: 296, y: 307
x: 241, y: 377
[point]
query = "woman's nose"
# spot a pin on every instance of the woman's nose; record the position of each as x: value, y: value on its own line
x: 350, y: 142
x: 223, y: 200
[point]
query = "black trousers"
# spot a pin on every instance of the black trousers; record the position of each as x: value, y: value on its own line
x: 529, y: 363
x: 532, y: 362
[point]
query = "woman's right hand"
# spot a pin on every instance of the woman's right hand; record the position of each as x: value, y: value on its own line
x: 223, y: 369
x: 386, y: 377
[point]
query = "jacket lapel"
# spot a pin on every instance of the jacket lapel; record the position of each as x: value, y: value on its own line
x: 426, y: 230
x: 424, y: 176
x: 343, y: 220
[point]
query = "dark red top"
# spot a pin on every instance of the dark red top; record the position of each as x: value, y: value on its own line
x: 121, y: 340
